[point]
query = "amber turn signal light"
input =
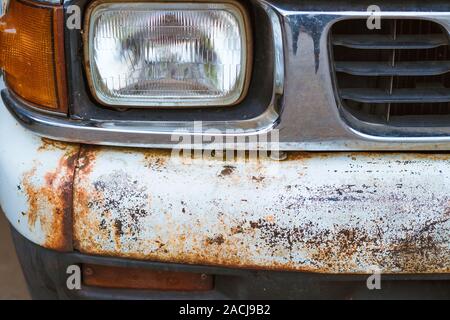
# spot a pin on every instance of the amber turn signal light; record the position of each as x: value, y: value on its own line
x: 32, y: 53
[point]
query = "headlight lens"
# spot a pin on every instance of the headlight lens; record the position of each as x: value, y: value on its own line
x: 168, y: 54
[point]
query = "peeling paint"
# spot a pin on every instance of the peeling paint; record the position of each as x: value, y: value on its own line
x: 317, y: 212
x: 49, y: 196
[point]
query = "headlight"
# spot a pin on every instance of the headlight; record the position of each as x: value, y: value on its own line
x: 168, y: 54
x: 32, y: 53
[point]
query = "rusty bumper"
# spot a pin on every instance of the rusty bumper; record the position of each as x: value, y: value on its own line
x: 316, y: 212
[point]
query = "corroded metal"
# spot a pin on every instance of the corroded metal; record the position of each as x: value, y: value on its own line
x: 318, y: 212
x: 36, y: 179
x: 49, y: 196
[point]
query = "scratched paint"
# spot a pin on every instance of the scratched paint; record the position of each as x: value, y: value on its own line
x: 318, y: 212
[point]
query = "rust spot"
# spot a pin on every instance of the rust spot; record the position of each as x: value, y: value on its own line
x: 155, y: 163
x: 160, y: 154
x: 258, y: 179
x: 227, y: 170
x: 296, y: 156
x: 216, y: 240
x: 49, y: 145
x: 50, y: 202
x: 427, y: 156
x: 118, y: 225
x: 320, y: 228
x: 236, y: 230
x: 32, y: 196
x: 303, y: 155
x: 122, y: 204
x: 157, y: 159
x: 404, y: 156
x: 254, y: 224
x: 86, y: 159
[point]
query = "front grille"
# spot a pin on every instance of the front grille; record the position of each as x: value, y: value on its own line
x: 398, y: 75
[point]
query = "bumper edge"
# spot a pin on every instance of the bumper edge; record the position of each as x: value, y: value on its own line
x: 45, y: 271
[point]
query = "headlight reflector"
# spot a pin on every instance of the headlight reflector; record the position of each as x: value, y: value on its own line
x: 168, y: 54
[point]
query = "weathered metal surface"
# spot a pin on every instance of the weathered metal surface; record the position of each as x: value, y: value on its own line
x: 328, y: 213
x: 36, y: 178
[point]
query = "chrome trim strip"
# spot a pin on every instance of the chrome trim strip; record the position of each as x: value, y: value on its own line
x: 279, y: 52
x: 123, y: 133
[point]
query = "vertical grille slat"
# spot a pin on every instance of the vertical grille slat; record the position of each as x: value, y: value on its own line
x: 392, y: 79
x: 399, y: 72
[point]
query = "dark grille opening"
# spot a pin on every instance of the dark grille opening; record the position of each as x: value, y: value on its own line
x: 398, y: 75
